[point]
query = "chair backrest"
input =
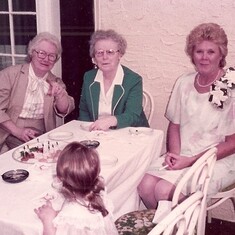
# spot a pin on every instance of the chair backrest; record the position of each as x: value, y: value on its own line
x: 195, y: 179
x: 216, y: 200
x: 199, y: 175
x: 148, y: 105
x: 182, y: 219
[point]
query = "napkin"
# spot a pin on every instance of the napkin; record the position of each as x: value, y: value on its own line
x: 53, y: 196
x: 41, y: 171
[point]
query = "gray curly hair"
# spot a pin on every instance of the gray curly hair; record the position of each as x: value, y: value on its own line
x: 44, y: 36
x: 107, y: 34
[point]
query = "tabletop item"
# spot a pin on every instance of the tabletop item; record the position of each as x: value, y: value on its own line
x: 140, y: 130
x: 108, y: 160
x: 90, y: 143
x: 15, y: 176
x: 60, y: 135
x: 46, y: 151
x: 85, y: 126
x: 56, y: 183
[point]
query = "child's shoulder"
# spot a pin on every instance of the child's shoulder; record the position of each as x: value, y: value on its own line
x: 78, y: 215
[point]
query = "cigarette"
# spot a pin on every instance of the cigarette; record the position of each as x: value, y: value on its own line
x: 162, y: 168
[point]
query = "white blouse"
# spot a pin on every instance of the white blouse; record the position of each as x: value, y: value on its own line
x: 34, y: 97
x: 105, y: 100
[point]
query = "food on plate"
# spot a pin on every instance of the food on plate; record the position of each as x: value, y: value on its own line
x: 39, y: 152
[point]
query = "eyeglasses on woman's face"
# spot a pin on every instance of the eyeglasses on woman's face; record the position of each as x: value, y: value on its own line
x: 42, y: 55
x: 110, y: 52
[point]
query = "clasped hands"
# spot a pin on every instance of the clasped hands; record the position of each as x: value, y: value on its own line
x: 177, y: 162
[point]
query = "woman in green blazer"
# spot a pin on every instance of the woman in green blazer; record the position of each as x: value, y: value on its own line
x: 111, y: 94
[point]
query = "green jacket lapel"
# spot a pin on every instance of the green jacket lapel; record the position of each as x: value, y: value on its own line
x: 117, y: 95
x: 95, y: 95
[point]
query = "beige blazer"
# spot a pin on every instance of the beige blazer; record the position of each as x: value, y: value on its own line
x: 13, y: 85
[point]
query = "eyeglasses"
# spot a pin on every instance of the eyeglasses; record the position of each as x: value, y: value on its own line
x: 42, y: 55
x: 109, y: 52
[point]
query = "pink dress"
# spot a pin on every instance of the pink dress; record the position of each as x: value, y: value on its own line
x: 202, y: 126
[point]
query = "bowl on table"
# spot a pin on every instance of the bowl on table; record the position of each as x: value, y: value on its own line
x: 90, y: 143
x: 15, y: 176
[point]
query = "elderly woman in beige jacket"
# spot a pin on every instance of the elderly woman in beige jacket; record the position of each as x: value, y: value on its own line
x: 31, y: 95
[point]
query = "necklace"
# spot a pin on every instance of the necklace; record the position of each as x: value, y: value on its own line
x: 203, y: 86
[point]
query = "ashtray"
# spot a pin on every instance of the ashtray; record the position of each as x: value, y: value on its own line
x: 15, y: 176
x: 90, y: 143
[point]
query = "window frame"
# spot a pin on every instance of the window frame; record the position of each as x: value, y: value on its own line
x: 47, y: 18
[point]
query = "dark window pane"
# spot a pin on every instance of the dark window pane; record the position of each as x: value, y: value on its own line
x: 23, y: 5
x: 5, y: 48
x: 20, y: 60
x: 4, y: 5
x: 4, y: 34
x: 25, y: 29
x: 5, y: 61
x: 21, y: 49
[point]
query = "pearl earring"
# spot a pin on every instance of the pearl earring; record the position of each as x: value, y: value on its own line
x: 94, y: 63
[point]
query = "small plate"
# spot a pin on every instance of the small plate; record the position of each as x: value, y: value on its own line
x: 140, y: 130
x: 90, y: 143
x: 44, y: 152
x: 60, y: 135
x: 15, y: 176
x: 108, y: 160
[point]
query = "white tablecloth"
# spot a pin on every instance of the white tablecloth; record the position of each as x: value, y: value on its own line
x: 134, y: 153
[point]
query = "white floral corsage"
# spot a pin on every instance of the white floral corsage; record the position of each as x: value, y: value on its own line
x: 221, y: 89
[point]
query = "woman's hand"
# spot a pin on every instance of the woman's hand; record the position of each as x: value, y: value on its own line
x: 61, y: 97
x: 56, y: 90
x: 103, y: 123
x: 177, y: 162
x: 25, y: 134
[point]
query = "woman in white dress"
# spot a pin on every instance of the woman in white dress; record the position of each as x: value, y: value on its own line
x: 201, y: 114
x: 85, y: 210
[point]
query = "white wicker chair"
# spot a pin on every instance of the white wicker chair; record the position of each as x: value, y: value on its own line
x: 219, y: 198
x: 148, y: 105
x: 198, y: 175
x: 182, y: 219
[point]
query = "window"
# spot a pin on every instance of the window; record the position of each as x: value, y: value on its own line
x: 17, y: 27
x: 20, y: 21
